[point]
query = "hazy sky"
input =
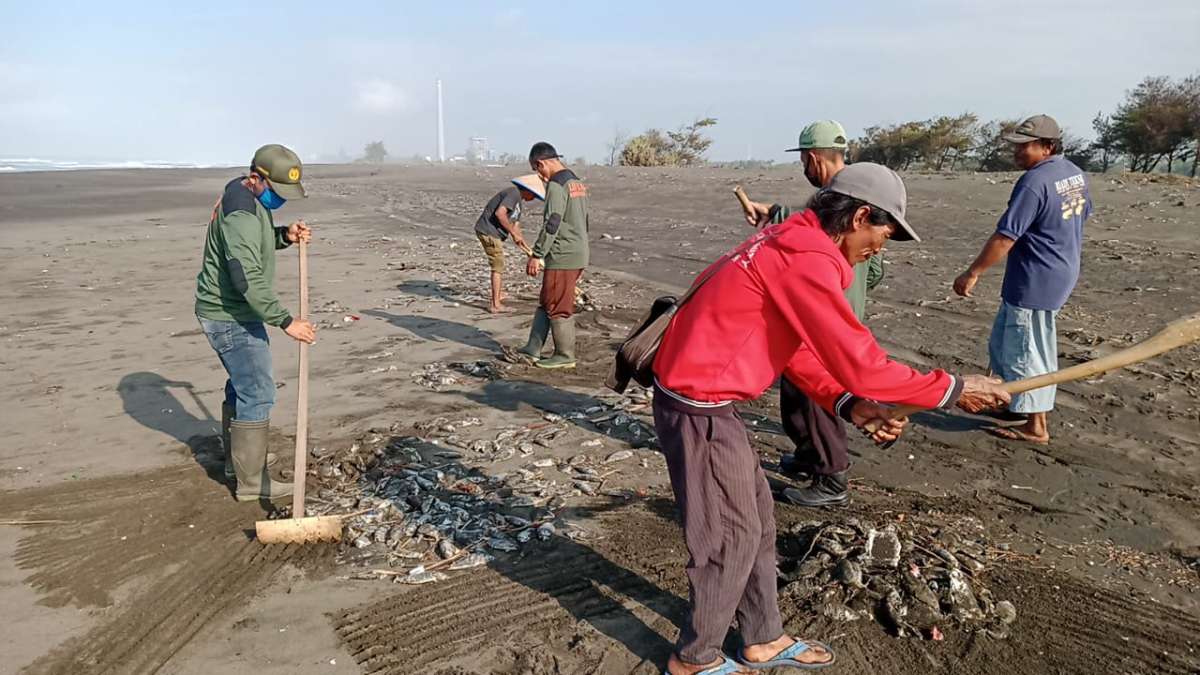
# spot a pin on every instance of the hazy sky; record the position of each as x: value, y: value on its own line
x: 212, y: 81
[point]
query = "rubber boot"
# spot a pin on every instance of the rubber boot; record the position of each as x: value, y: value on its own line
x: 825, y: 490
x: 249, y: 445
x: 227, y: 414
x: 537, y: 335
x: 564, y: 344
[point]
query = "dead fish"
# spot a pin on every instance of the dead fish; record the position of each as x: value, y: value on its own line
x: 586, y: 487
x: 849, y: 573
x: 832, y: 547
x: 422, y: 577
x: 362, y: 541
x: 1006, y: 613
x: 895, y: 611
x: 960, y: 598
x: 544, y: 463
x: 445, y: 549
x: 473, y: 560
x: 503, y: 543
x: 618, y: 456
x: 545, y: 531
x: 916, y: 588
x: 524, y: 536
x: 839, y: 612
x: 948, y: 557
x: 518, y: 521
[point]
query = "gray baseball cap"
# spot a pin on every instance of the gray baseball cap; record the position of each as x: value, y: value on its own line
x: 1035, y: 128
x: 880, y: 187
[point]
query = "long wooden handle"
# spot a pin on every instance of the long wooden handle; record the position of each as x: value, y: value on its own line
x: 744, y: 200
x: 301, y: 397
x: 1176, y: 334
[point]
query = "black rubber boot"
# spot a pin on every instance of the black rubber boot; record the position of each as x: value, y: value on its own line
x: 825, y: 490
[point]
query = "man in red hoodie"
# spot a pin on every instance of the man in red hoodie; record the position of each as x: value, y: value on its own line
x: 776, y: 303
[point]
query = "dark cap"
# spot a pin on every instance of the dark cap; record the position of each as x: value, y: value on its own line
x: 1038, y: 127
x: 281, y: 167
x: 880, y: 187
x: 542, y: 150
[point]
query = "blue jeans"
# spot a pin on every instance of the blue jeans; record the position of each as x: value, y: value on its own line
x: 245, y: 351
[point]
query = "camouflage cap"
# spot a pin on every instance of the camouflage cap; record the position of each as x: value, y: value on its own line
x: 822, y: 134
x: 281, y: 167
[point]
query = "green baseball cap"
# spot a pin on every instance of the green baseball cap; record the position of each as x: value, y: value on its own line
x: 281, y: 166
x: 822, y: 134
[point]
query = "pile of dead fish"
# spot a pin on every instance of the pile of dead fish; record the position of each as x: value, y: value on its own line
x: 914, y: 585
x: 419, y: 508
x: 438, y: 376
x: 413, y: 505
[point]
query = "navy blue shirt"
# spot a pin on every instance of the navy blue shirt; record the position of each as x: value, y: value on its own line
x: 1045, y: 217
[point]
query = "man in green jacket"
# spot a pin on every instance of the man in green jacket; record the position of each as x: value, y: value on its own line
x: 562, y: 251
x: 236, y: 300
x: 822, y: 447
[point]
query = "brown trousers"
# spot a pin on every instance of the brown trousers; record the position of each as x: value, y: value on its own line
x: 558, y: 292
x: 728, y: 522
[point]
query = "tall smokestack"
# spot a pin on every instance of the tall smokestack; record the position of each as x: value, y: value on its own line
x: 441, y: 126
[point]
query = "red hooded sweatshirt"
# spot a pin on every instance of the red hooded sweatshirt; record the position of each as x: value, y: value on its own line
x: 779, y: 304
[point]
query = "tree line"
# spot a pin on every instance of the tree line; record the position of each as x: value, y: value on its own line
x: 1157, y: 125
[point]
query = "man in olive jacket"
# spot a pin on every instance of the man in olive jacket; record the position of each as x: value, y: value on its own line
x: 562, y: 251
x: 236, y: 300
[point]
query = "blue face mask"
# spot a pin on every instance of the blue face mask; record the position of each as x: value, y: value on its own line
x: 271, y: 199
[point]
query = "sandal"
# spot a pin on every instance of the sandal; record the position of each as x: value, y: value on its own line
x: 787, y: 657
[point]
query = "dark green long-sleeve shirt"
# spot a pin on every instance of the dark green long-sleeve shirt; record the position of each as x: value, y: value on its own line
x: 237, y: 274
x: 563, y: 241
x: 867, y: 274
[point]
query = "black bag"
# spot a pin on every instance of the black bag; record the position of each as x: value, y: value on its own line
x: 635, y: 357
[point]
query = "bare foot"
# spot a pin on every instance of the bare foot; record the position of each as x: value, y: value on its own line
x: 677, y: 666
x: 497, y: 309
x: 1018, y: 434
x: 815, y: 655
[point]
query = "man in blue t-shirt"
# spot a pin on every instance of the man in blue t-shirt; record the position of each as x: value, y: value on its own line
x: 1041, y: 233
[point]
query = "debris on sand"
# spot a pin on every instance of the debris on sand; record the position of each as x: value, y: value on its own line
x: 914, y: 585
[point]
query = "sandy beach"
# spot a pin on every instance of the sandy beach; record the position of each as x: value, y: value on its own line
x: 122, y: 550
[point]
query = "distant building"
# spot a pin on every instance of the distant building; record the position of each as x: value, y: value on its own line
x: 478, y: 150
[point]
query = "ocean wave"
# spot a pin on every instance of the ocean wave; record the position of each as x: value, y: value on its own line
x: 12, y: 164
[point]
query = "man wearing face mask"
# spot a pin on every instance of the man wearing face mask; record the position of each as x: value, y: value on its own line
x: 236, y: 300
x: 822, y: 447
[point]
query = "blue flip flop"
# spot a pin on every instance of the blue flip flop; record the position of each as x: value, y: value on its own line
x: 787, y: 657
x: 727, y: 667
